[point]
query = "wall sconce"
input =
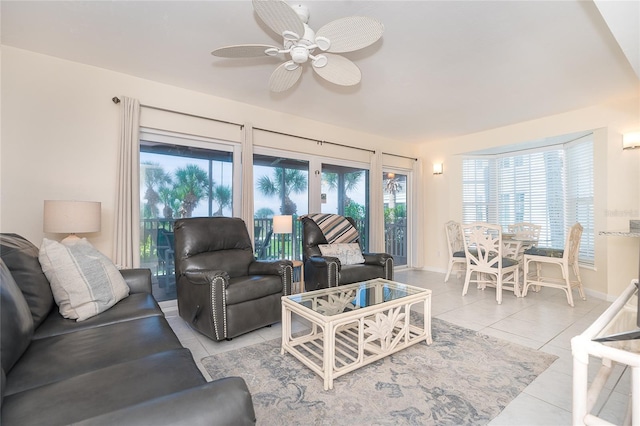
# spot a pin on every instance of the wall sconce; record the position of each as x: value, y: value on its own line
x: 631, y: 140
x: 282, y: 225
x: 71, y: 217
x: 437, y: 168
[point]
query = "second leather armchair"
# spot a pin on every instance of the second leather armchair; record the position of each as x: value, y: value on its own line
x: 328, y: 271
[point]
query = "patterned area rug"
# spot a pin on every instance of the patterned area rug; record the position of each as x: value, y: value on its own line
x: 461, y: 378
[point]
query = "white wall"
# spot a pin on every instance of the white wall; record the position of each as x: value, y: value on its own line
x: 616, y: 192
x: 60, y: 132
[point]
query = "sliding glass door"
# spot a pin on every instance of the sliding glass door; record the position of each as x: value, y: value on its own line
x: 281, y: 187
x: 179, y: 178
x: 345, y: 191
x: 395, y: 215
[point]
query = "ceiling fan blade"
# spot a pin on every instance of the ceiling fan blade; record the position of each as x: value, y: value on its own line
x: 282, y: 79
x: 352, y: 33
x: 339, y: 70
x: 242, y: 51
x: 279, y: 16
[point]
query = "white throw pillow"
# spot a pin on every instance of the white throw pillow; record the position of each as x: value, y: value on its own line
x: 84, y: 282
x: 349, y: 254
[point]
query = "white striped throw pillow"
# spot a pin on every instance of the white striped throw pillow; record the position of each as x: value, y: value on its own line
x: 84, y: 282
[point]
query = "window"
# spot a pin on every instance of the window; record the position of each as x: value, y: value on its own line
x: 345, y: 191
x: 394, y: 187
x: 178, y: 180
x: 281, y: 187
x: 551, y: 187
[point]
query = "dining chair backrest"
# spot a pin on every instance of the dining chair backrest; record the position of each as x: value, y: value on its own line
x: 525, y: 231
x: 454, y: 237
x: 572, y: 246
x: 483, y: 246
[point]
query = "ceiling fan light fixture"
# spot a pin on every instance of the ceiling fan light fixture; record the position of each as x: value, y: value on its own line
x: 323, y: 43
x: 291, y: 66
x: 319, y: 61
x: 290, y: 36
x: 299, y: 54
x: 300, y: 42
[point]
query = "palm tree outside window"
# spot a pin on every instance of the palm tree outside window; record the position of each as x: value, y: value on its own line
x: 281, y: 188
x: 177, y: 181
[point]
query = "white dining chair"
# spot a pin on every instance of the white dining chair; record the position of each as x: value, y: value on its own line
x: 525, y: 231
x: 455, y: 246
x: 566, y: 259
x: 484, y: 251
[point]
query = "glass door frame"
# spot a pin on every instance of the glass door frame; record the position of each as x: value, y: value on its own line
x: 409, y: 236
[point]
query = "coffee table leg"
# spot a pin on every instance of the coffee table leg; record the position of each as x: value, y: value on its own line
x: 328, y: 338
x: 286, y: 328
x: 427, y: 319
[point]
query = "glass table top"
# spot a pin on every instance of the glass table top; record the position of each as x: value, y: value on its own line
x: 337, y: 300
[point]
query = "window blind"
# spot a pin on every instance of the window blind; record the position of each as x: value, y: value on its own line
x: 551, y: 187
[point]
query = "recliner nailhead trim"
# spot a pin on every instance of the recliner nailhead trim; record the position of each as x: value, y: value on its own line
x: 333, y: 266
x: 214, y: 314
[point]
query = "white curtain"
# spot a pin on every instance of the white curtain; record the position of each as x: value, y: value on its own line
x: 417, y: 254
x: 247, y: 178
x: 126, y: 238
x: 376, y: 205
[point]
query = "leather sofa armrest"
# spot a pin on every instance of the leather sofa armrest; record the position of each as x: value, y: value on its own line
x: 321, y: 272
x: 323, y: 261
x: 206, y: 276
x: 221, y: 402
x: 138, y: 280
x: 269, y: 267
x: 379, y: 259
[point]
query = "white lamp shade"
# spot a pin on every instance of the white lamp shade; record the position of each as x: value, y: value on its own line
x: 631, y: 140
x: 283, y: 224
x: 437, y: 168
x: 71, y: 217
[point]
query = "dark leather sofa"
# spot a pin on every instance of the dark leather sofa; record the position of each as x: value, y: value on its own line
x: 124, y: 366
x: 326, y: 271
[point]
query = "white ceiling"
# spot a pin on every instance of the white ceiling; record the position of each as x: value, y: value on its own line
x: 441, y: 69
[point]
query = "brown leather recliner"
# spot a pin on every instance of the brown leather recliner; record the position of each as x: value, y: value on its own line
x: 223, y: 291
x: 325, y: 271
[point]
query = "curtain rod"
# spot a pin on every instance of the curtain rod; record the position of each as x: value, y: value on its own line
x: 401, y: 156
x: 314, y: 140
x: 332, y: 143
x: 116, y: 101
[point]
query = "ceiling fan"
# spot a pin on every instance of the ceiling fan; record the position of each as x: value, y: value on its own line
x: 301, y: 44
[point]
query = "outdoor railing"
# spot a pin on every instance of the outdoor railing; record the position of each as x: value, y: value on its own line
x: 270, y: 246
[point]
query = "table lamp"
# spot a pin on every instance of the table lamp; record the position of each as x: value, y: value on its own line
x: 282, y: 225
x: 71, y: 217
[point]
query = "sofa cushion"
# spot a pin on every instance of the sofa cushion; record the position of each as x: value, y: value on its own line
x: 83, y: 280
x: 16, y: 324
x: 135, y: 306
x: 61, y: 357
x: 103, y: 390
x: 360, y: 272
x: 21, y: 257
x: 349, y: 254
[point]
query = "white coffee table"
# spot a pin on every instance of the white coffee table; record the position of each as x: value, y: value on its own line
x: 354, y: 325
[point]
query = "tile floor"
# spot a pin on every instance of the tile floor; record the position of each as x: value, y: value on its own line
x: 542, y: 321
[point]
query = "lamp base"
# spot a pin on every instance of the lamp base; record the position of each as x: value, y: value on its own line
x: 70, y: 239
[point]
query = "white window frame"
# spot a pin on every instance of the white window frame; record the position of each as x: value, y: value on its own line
x: 575, y: 192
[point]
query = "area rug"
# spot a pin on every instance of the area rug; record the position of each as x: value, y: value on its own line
x: 462, y: 378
